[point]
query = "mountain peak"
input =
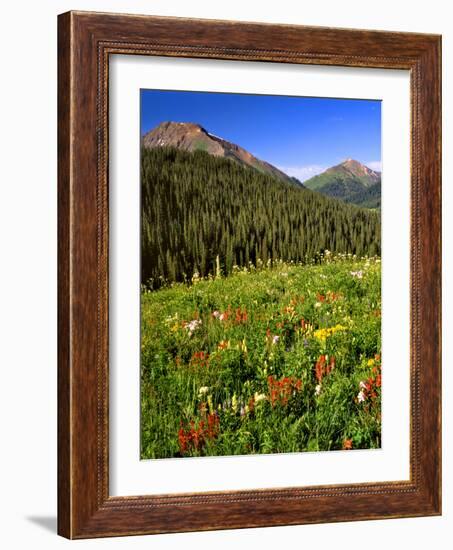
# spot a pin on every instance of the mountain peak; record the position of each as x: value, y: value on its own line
x: 351, y: 162
x: 356, y: 168
x: 179, y: 127
x: 350, y: 181
x: 191, y: 136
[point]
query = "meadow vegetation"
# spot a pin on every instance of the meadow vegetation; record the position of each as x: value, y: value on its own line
x: 277, y: 356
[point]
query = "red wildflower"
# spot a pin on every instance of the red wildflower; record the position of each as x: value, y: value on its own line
x: 200, y: 359
x: 347, y: 444
x: 322, y: 368
x: 281, y: 390
x: 241, y: 315
x: 193, y: 438
x: 333, y: 296
x: 370, y: 388
x: 251, y: 404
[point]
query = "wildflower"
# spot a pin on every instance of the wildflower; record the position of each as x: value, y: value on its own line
x: 333, y: 296
x: 242, y: 346
x: 318, y: 389
x: 370, y: 362
x: 281, y: 390
x: 234, y: 403
x: 224, y: 344
x: 347, y: 444
x: 241, y: 315
x: 357, y: 274
x: 216, y: 314
x: 200, y: 359
x: 203, y: 390
x: 203, y: 407
x: 192, y: 326
x: 361, y: 396
x: 213, y: 425
x: 193, y: 438
x: 275, y: 340
x: 369, y: 389
x: 259, y: 397
x: 318, y: 304
x: 210, y: 404
x: 322, y: 367
x: 322, y: 333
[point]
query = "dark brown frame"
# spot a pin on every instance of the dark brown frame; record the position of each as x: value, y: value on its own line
x: 85, y: 42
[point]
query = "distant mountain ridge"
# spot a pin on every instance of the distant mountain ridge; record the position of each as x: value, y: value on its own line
x: 191, y: 137
x: 351, y: 182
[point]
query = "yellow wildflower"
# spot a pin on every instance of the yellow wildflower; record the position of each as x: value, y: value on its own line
x: 323, y: 333
x: 210, y: 404
x: 234, y: 403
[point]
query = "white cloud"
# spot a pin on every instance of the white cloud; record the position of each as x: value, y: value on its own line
x: 374, y: 165
x: 303, y: 173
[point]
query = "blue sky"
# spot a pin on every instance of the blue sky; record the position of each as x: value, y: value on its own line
x: 302, y: 136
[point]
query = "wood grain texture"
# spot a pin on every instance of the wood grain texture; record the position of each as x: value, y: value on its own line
x: 85, y: 42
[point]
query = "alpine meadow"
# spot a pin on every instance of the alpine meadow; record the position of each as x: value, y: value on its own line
x: 260, y: 274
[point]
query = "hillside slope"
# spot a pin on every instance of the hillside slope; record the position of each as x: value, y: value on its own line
x: 350, y: 182
x: 196, y: 207
x: 193, y: 137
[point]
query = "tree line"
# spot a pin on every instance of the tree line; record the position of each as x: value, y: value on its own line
x: 197, y: 208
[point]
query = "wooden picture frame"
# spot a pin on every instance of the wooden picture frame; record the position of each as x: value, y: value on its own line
x: 85, y: 42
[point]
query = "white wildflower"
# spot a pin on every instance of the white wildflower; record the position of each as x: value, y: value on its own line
x: 275, y: 340
x: 203, y: 390
x: 361, y: 396
x: 259, y: 397
x: 318, y: 389
x: 192, y: 326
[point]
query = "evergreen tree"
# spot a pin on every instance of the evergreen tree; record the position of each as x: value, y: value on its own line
x: 196, y: 207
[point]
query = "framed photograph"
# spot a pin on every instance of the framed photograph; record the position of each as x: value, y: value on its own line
x: 249, y: 275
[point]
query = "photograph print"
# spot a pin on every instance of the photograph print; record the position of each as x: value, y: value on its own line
x: 260, y: 274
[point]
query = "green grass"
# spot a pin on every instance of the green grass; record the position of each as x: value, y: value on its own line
x: 282, y: 358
